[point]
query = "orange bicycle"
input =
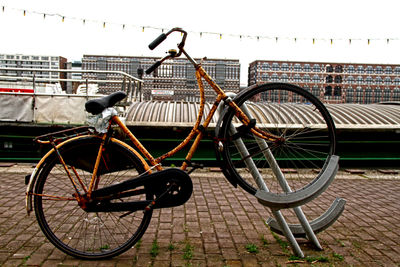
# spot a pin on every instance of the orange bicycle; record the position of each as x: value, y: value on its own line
x: 94, y: 194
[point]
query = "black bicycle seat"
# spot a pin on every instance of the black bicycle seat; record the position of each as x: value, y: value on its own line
x: 96, y: 106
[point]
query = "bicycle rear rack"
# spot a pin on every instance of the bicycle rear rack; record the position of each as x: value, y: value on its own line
x: 276, y: 202
x: 58, y: 137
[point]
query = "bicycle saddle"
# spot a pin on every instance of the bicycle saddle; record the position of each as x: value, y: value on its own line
x: 96, y: 106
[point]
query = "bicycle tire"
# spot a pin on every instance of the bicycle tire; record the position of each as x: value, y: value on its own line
x: 287, y: 111
x: 88, y: 235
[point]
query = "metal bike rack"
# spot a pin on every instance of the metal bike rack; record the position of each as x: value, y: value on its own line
x: 276, y: 202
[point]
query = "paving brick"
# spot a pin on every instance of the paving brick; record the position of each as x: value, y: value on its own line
x: 219, y: 220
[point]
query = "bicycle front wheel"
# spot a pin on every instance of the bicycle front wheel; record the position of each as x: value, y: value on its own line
x: 297, y: 158
x: 89, y: 235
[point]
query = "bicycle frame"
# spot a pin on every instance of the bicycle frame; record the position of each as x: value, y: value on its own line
x: 197, y: 131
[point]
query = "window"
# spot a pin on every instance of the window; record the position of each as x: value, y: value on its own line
x: 360, y: 69
x: 264, y: 77
x: 369, y: 70
x: 328, y: 91
x: 388, y: 81
x: 337, y: 91
x: 378, y: 70
x: 329, y: 79
x: 285, y: 67
x: 315, y: 90
x: 388, y: 70
x: 338, y: 79
x: 360, y: 80
x: 275, y: 66
x: 350, y: 69
x: 306, y: 78
x: 316, y: 79
x: 397, y: 70
x: 338, y: 69
x: 378, y: 80
x: 307, y: 68
x: 284, y: 77
x: 396, y: 81
x: 297, y: 78
x: 265, y: 66
x: 274, y: 77
x: 328, y: 68
x: 368, y: 80
x: 316, y: 68
x: 297, y: 67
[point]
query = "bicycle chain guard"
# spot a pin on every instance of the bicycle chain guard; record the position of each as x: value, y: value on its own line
x: 171, y: 188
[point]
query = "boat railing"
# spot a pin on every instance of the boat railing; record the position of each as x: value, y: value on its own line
x: 129, y: 84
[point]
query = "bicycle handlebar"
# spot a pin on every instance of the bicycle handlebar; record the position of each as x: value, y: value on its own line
x: 153, y: 67
x: 159, y: 40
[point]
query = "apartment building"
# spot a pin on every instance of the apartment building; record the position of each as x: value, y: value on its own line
x: 333, y: 82
x: 173, y: 80
x: 19, y: 61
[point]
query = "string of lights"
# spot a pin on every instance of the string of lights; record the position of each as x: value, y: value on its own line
x: 220, y: 35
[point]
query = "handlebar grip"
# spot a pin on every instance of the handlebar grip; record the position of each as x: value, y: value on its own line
x: 157, y: 41
x: 153, y: 67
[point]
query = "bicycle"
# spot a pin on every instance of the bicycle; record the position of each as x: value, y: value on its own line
x: 94, y: 194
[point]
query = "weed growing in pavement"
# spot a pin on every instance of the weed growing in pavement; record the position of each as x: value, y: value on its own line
x: 26, y: 258
x: 264, y: 241
x: 337, y: 256
x: 188, y: 252
x: 155, y: 249
x: 171, y: 247
x: 283, y: 244
x: 309, y: 259
x: 138, y: 244
x: 341, y: 243
x: 252, y: 248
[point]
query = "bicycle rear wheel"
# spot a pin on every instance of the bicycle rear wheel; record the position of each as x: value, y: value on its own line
x: 89, y: 235
x: 306, y: 141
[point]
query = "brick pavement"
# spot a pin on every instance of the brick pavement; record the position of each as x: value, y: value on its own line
x: 214, y: 227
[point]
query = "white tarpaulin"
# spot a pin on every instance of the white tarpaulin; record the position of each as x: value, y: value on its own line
x: 60, y: 109
x: 47, y: 109
x: 16, y: 107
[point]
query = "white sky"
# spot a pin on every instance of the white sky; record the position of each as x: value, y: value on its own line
x: 339, y: 20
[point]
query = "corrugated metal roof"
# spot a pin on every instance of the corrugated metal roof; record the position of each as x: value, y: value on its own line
x: 346, y: 116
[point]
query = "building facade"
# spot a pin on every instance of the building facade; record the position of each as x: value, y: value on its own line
x: 33, y: 62
x: 333, y: 82
x: 173, y: 80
